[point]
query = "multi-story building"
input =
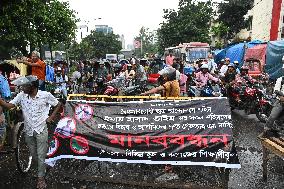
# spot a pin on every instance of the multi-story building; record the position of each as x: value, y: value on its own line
x: 267, y: 20
x: 104, y: 28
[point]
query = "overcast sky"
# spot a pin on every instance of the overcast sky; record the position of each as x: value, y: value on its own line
x: 125, y: 16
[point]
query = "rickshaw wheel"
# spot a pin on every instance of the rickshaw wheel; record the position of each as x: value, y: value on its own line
x: 23, y: 156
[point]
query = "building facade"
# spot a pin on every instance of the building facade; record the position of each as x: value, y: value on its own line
x: 267, y: 20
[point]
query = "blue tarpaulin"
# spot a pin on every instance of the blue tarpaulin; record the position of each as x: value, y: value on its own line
x: 219, y: 55
x: 235, y: 52
x: 274, y: 54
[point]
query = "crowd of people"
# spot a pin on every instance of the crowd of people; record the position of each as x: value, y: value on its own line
x: 35, y: 98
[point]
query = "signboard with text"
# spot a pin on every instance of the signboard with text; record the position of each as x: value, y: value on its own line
x: 192, y: 132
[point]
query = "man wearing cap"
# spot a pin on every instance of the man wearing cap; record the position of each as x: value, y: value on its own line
x: 202, y: 78
x: 35, y: 105
x: 224, y: 68
x: 140, y: 74
x: 38, y: 68
x: 236, y: 63
x: 61, y: 81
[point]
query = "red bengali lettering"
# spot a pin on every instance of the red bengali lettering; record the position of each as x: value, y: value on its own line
x: 117, y: 139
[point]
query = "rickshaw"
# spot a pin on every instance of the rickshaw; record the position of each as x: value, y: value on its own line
x: 10, y: 68
x: 11, y: 132
x: 255, y: 67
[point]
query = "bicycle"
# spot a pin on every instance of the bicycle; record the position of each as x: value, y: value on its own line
x: 13, y: 140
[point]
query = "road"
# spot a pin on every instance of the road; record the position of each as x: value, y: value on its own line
x: 246, y: 130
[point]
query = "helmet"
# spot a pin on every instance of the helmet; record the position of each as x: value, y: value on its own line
x: 236, y: 62
x: 102, y: 63
x: 26, y: 80
x: 169, y: 72
x: 244, y: 68
x: 58, y: 69
x: 231, y: 65
x: 117, y: 66
x: 204, y: 66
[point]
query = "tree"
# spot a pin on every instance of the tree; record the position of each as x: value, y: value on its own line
x: 191, y: 22
x: 58, y: 24
x: 149, y: 45
x: 97, y: 45
x: 36, y: 22
x: 232, y: 14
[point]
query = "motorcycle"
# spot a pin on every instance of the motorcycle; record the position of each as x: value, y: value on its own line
x: 136, y: 89
x: 252, y: 99
x: 209, y: 90
x: 114, y: 86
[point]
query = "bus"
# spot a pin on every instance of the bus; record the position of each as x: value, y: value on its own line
x: 190, y: 52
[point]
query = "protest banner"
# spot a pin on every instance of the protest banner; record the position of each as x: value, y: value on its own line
x: 189, y: 132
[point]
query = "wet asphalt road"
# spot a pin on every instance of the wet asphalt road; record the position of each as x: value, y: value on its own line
x: 246, y: 130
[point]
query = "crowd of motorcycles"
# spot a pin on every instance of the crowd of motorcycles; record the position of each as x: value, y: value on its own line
x: 252, y: 97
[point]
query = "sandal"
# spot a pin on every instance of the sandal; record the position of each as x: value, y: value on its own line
x: 41, y: 184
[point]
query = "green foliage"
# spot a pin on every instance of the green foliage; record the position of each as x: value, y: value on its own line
x: 232, y: 15
x: 220, y: 30
x: 191, y: 22
x: 95, y: 45
x: 37, y: 22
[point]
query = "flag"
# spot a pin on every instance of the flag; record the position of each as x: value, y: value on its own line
x: 137, y: 44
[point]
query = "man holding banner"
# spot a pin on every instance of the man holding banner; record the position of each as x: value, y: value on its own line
x: 171, y: 86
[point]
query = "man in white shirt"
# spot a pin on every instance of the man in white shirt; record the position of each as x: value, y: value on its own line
x: 224, y: 68
x: 61, y: 81
x: 35, y: 105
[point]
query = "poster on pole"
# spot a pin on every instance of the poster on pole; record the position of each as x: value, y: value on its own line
x: 191, y: 132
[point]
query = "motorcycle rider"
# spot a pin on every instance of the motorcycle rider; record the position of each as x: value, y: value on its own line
x: 117, y: 70
x: 224, y: 68
x: 202, y: 78
x: 243, y: 78
x: 140, y: 74
x: 129, y: 73
x: 236, y: 63
x: 230, y: 75
x: 101, y: 72
x: 171, y: 86
x: 61, y: 81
